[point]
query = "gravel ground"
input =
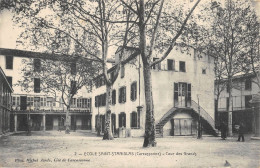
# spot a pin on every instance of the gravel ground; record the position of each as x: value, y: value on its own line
x: 83, y: 149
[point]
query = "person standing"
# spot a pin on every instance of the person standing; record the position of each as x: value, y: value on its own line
x: 241, y: 132
x: 223, y: 130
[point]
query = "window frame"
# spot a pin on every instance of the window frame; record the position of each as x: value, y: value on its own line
x: 9, y: 62
x: 133, y: 91
x: 122, y: 95
x: 181, y: 67
x: 37, y: 85
x: 172, y: 64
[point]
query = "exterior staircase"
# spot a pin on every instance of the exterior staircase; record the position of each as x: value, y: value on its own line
x: 207, y: 121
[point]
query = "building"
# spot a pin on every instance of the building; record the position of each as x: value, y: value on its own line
x: 183, y: 94
x: 5, y: 103
x: 244, y: 88
x: 45, y: 111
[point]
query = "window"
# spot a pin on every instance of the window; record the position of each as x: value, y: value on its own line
x: 37, y: 65
x: 37, y: 88
x: 170, y: 65
x: 49, y: 102
x: 43, y: 101
x: 156, y: 66
x: 122, y: 95
x: 248, y: 84
x: 73, y: 68
x: 182, y: 66
x: 122, y: 71
x: 89, y: 103
x: 122, y: 119
x: 247, y: 99
x: 133, y: 91
x: 9, y: 62
x: 114, y: 97
x: 96, y: 101
x: 84, y: 103
x: 135, y: 120
x: 73, y: 87
x: 79, y: 103
x: 10, y: 80
x: 73, y: 102
x: 37, y: 103
x: 103, y: 97
x: 13, y: 101
x: 30, y: 102
x: 204, y: 71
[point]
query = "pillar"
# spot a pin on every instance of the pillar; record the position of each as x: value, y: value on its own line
x: 15, y: 122
x: 44, y: 122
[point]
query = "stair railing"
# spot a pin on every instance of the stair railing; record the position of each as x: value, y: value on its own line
x: 167, y: 114
x: 203, y: 114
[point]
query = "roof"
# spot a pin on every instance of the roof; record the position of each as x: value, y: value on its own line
x: 131, y: 57
x: 41, y: 55
x: 4, y: 76
x: 240, y: 76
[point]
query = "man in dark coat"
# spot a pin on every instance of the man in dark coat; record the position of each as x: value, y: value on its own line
x: 223, y: 129
x: 241, y: 131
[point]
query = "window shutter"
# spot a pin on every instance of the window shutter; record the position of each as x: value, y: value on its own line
x: 124, y: 94
x: 176, y: 88
x: 122, y: 71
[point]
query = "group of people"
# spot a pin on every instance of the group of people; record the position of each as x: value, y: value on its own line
x: 224, y: 128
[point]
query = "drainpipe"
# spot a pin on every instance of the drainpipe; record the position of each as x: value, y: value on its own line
x: 199, y: 127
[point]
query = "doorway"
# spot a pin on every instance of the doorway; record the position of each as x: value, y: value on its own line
x: 182, y: 94
x: 182, y: 127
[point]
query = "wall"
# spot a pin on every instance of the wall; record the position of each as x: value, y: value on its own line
x: 201, y: 84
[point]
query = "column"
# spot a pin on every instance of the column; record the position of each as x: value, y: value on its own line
x: 15, y: 122
x: 44, y: 122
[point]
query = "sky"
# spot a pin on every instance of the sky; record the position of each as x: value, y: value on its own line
x: 10, y: 32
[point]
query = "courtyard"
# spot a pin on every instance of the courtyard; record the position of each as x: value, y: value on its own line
x: 84, y: 149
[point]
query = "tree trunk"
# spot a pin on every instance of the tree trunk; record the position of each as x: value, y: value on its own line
x: 230, y: 107
x: 67, y: 122
x: 149, y: 137
x: 108, y: 131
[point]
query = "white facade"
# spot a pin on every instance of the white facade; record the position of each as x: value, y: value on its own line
x: 42, y: 106
x: 239, y: 92
x: 199, y: 73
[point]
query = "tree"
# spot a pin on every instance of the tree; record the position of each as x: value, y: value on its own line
x: 76, y: 28
x: 140, y: 21
x: 150, y: 16
x: 251, y: 62
x: 225, y: 39
x: 58, y: 78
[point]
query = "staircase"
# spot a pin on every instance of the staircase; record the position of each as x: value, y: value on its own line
x: 166, y: 117
x: 206, y: 117
x: 207, y: 120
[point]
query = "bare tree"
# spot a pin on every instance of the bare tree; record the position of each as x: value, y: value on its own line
x: 58, y: 78
x: 225, y: 39
x: 151, y: 17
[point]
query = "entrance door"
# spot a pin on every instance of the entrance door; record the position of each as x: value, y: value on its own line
x: 23, y: 103
x: 182, y: 126
x: 113, y: 124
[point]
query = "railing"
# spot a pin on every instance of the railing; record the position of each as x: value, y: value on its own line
x: 167, y: 114
x: 203, y: 113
